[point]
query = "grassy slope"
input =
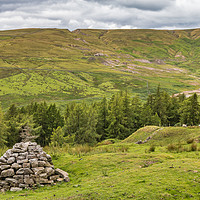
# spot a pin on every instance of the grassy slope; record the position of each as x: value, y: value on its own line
x: 44, y: 64
x: 164, y: 135
x: 109, y: 173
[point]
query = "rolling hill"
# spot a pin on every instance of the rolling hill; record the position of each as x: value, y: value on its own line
x: 57, y: 65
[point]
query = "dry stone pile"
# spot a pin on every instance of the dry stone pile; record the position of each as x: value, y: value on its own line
x: 26, y: 165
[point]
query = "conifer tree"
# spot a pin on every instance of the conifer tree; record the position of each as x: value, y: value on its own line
x: 190, y: 111
x: 48, y: 118
x: 80, y: 123
x: 57, y: 137
x: 102, y: 119
x: 117, y: 121
x: 2, y: 129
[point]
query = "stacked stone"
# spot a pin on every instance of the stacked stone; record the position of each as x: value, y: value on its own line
x: 26, y: 165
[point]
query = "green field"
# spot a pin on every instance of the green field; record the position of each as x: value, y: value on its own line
x: 126, y: 170
x: 57, y: 65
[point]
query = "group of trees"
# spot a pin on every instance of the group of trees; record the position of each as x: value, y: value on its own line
x: 117, y: 117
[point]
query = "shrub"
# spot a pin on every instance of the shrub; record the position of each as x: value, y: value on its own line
x: 152, y: 148
x: 171, y: 147
x: 190, y: 140
x: 193, y: 147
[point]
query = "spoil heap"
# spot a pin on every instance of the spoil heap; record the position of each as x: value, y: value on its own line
x: 26, y: 165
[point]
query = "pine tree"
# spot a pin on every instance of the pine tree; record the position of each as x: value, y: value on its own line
x: 80, y: 123
x: 190, y: 111
x: 117, y: 120
x: 2, y: 129
x: 48, y: 118
x: 57, y: 137
x: 102, y: 119
x: 136, y: 109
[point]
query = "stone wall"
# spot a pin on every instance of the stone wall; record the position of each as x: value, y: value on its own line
x: 26, y: 165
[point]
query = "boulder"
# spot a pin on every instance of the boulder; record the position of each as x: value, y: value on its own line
x: 34, y: 163
x: 3, y: 160
x: 11, y: 160
x: 63, y: 174
x: 3, y: 167
x: 7, y: 173
x: 15, y: 166
x: 15, y: 189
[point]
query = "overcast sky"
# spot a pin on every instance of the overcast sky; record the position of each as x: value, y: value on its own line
x: 104, y: 14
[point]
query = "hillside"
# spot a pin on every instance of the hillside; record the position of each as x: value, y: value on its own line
x: 125, y: 170
x: 163, y: 136
x: 58, y: 65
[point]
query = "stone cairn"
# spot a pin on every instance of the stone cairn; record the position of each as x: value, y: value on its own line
x: 26, y: 165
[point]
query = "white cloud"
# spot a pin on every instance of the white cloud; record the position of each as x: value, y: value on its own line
x: 105, y: 14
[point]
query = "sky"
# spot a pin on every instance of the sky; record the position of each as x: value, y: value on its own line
x: 100, y: 14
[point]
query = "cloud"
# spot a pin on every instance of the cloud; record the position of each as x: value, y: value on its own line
x: 153, y: 5
x: 104, y: 14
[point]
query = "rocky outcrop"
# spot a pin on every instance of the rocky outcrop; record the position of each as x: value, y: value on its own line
x: 26, y: 165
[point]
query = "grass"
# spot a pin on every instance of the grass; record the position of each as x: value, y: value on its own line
x: 59, y: 65
x: 124, y: 171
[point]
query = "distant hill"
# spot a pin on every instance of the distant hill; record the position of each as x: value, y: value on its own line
x: 58, y: 65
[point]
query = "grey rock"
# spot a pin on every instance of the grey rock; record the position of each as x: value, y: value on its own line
x: 11, y: 181
x: 41, y: 180
x: 15, y: 189
x: 44, y: 175
x: 32, y: 144
x: 24, y: 171
x: 22, y: 161
x: 3, y: 167
x: 49, y: 171
x: 7, y: 154
x: 139, y: 142
x: 21, y: 157
x: 15, y: 155
x: 26, y: 165
x: 51, y: 182
x: 43, y: 158
x: 28, y: 180
x: 41, y: 163
x: 38, y: 170
x: 25, y: 154
x: 7, y: 173
x: 18, y: 177
x: 49, y: 165
x: 17, y: 151
x: 11, y: 160
x: 15, y: 166
x: 31, y: 148
x: 3, y: 160
x: 31, y: 156
x: 63, y: 174
x: 34, y: 163
x: 43, y: 154
x: 54, y: 177
x: 48, y: 157
x: 3, y: 183
x: 60, y: 179
x: 22, y: 185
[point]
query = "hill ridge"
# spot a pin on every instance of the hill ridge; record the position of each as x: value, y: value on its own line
x: 166, y: 57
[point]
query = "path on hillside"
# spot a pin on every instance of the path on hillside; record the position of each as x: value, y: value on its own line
x: 150, y: 137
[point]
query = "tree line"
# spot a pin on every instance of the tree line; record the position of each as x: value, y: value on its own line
x: 117, y: 117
